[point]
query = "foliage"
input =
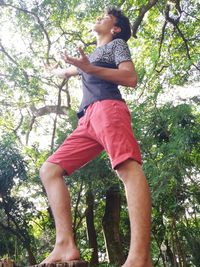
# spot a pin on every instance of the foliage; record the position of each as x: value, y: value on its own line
x: 170, y: 141
x: 38, y: 112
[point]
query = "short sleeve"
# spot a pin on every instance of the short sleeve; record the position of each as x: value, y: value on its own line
x: 121, y: 51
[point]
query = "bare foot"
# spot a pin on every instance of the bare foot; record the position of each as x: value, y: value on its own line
x: 62, y: 253
x: 132, y: 264
x: 138, y: 263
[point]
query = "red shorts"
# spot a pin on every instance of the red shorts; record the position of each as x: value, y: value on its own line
x: 106, y: 125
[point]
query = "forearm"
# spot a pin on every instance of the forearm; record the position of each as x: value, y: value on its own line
x: 65, y: 73
x: 118, y: 76
x: 71, y: 71
x: 124, y: 75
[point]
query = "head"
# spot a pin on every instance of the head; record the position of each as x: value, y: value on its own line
x: 122, y: 22
x: 115, y: 23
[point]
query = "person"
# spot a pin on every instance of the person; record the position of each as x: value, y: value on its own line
x: 104, y: 124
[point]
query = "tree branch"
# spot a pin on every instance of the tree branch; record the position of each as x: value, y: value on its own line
x: 2, y: 49
x: 62, y: 110
x: 19, y: 124
x: 142, y: 11
x: 2, y: 3
x: 30, y: 128
x: 175, y: 22
x: 76, y: 206
x: 160, y: 47
x: 162, y: 38
x: 55, y: 120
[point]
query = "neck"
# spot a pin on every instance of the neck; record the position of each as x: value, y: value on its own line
x: 102, y: 40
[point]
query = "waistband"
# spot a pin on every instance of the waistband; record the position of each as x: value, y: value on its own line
x: 82, y: 112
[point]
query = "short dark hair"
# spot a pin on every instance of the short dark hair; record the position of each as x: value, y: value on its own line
x: 122, y: 22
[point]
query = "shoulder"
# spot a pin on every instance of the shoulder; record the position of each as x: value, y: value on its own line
x: 119, y: 42
x: 121, y: 51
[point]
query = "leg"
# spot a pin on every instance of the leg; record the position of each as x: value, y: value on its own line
x: 59, y: 199
x: 78, y: 149
x: 139, y: 207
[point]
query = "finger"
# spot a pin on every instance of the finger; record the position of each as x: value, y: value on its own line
x: 81, y: 51
x: 55, y: 66
x: 45, y: 63
x: 64, y: 56
x: 68, y: 59
x: 46, y: 66
x: 50, y: 68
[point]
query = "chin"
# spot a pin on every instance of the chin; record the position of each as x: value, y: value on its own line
x: 95, y: 28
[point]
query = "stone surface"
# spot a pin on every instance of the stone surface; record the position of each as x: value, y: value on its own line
x: 6, y: 263
x: 65, y: 264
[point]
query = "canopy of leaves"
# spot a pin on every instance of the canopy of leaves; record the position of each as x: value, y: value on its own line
x: 40, y: 111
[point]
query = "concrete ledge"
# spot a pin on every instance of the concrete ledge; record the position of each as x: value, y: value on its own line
x: 65, y: 264
x: 77, y: 263
x: 7, y: 263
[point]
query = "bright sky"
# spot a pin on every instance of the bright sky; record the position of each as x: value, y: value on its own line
x: 179, y: 94
x: 10, y: 38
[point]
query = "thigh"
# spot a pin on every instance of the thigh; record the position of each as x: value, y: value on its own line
x: 77, y: 150
x: 112, y: 123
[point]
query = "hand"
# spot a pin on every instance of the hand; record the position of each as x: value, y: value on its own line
x: 82, y: 62
x: 61, y: 73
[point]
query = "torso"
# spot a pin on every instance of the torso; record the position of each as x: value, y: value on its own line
x: 109, y: 56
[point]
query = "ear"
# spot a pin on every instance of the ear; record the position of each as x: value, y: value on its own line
x: 115, y: 30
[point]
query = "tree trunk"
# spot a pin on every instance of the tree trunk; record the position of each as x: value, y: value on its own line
x: 181, y: 254
x: 169, y: 253
x: 175, y: 263
x: 91, y: 232
x: 31, y: 257
x: 111, y: 227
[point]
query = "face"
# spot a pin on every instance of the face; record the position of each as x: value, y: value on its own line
x: 105, y: 24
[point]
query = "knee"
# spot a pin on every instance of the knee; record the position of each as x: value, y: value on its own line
x: 123, y: 175
x: 43, y: 171
x: 50, y: 171
x: 129, y: 170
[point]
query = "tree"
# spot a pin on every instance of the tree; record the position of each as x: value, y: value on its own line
x: 40, y: 111
x: 14, y: 220
x: 169, y: 137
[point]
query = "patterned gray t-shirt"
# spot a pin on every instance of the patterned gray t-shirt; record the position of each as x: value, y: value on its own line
x: 108, y: 56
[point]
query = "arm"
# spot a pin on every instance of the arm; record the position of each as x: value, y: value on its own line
x: 124, y: 75
x: 62, y: 73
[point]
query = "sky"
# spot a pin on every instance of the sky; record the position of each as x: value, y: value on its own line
x: 10, y: 38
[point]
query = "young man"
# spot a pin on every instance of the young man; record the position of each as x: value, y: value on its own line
x: 104, y: 123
